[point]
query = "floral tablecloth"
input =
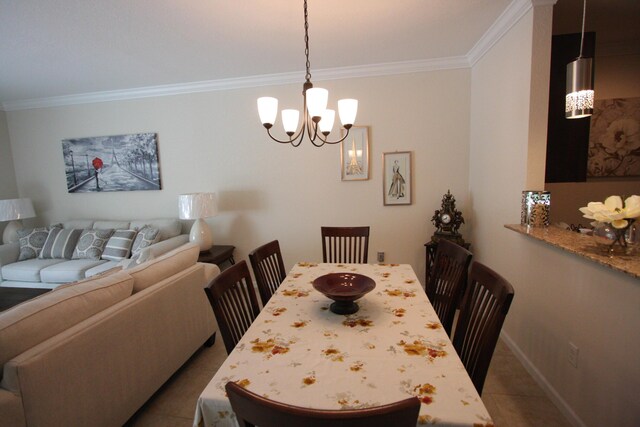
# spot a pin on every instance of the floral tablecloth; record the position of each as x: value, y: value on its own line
x: 300, y: 353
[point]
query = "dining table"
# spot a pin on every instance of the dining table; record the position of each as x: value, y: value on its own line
x: 299, y: 352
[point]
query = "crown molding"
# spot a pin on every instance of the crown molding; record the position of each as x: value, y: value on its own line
x: 371, y: 70
x: 512, y: 14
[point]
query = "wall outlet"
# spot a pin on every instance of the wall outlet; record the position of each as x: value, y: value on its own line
x: 574, y: 351
x: 380, y: 256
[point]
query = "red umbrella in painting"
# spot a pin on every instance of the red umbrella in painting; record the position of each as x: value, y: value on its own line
x: 97, y: 164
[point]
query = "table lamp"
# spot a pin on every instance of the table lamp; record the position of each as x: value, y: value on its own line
x: 14, y: 210
x: 199, y: 206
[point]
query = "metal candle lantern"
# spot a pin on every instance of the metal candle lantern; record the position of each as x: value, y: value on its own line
x: 535, y: 208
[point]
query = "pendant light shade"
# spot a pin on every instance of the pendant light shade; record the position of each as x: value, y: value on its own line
x: 579, y: 99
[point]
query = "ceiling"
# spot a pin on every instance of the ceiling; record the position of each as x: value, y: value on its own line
x: 69, y: 47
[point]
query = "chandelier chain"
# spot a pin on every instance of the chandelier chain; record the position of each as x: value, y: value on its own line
x: 306, y: 42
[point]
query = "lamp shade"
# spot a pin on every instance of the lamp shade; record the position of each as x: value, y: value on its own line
x: 197, y: 205
x: 579, y: 99
x: 16, y: 209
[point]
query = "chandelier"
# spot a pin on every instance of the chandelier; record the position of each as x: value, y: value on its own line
x: 317, y: 119
x: 579, y: 99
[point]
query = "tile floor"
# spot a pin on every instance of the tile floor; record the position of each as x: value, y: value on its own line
x: 510, y: 394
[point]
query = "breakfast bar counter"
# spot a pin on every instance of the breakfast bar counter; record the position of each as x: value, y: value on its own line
x: 581, y: 245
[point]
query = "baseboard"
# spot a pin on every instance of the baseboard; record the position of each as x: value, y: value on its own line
x: 551, y: 392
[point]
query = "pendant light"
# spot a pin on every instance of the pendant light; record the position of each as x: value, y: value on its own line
x: 317, y: 120
x: 579, y: 99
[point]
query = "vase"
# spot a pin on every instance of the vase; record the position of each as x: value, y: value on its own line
x: 632, y: 239
x: 613, y: 240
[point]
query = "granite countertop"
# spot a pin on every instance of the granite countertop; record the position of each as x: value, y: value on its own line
x: 581, y: 245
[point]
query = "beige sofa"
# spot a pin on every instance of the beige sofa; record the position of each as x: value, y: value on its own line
x: 50, y: 273
x: 91, y: 353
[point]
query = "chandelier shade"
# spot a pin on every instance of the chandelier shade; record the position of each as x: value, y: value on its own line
x: 317, y: 119
x: 580, y: 94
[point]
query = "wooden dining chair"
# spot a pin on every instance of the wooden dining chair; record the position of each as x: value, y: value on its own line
x: 254, y: 410
x: 345, y: 244
x: 268, y: 269
x: 484, y: 308
x: 447, y: 280
x: 234, y: 302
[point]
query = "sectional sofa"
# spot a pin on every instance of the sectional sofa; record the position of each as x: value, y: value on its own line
x: 91, y: 353
x: 50, y: 264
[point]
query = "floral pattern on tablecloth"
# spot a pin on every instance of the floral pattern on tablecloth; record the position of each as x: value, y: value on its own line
x: 299, y: 352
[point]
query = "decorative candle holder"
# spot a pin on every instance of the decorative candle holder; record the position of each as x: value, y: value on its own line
x: 536, y: 206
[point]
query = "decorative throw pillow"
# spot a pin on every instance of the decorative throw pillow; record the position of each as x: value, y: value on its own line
x: 119, y: 245
x: 146, y: 237
x: 60, y: 243
x: 31, y: 242
x: 92, y: 243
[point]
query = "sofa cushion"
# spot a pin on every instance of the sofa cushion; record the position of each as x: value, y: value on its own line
x: 168, y: 227
x: 78, y: 223
x: 152, y: 272
x: 103, y: 268
x: 68, y: 271
x: 28, y: 270
x: 91, y: 243
x: 146, y: 236
x: 111, y: 224
x: 39, y: 319
x: 31, y: 242
x: 60, y: 243
x: 119, y: 245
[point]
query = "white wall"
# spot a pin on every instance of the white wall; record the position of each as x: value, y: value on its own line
x: 8, y: 188
x: 214, y: 142
x: 559, y: 297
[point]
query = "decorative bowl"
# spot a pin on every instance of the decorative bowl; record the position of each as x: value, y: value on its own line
x: 344, y: 289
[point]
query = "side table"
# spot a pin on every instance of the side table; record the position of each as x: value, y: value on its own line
x: 219, y: 255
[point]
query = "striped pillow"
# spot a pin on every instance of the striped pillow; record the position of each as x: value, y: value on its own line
x: 119, y: 245
x: 60, y: 243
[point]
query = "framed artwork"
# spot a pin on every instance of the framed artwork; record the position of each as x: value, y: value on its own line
x: 397, y: 178
x: 112, y: 163
x: 614, y: 138
x: 354, y: 156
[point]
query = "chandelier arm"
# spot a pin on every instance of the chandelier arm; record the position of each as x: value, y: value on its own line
x: 290, y: 141
x: 326, y: 141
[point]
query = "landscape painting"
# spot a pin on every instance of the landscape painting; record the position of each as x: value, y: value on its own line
x: 112, y: 163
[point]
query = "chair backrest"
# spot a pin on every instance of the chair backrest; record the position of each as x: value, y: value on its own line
x: 484, y: 308
x: 447, y: 280
x: 345, y: 244
x: 234, y: 303
x: 268, y: 269
x: 252, y: 409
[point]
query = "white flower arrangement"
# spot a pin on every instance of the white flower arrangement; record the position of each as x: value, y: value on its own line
x: 614, y: 211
